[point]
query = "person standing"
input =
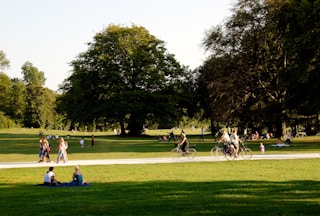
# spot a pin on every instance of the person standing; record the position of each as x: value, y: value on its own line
x: 82, y: 142
x: 261, y: 148
x: 201, y: 134
x: 92, y: 140
x: 171, y: 136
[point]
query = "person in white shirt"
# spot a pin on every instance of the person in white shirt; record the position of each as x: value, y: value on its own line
x: 82, y: 142
x: 49, y: 178
x: 225, y: 137
x: 235, y: 140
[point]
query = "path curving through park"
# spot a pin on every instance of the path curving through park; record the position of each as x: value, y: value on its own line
x: 7, y: 165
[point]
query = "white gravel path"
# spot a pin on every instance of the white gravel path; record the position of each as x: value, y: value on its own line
x: 6, y: 165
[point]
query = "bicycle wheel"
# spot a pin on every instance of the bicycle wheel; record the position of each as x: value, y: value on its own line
x: 230, y: 156
x: 192, y: 153
x: 212, y: 152
x: 175, y: 153
x: 247, y: 154
x: 217, y: 152
x: 242, y: 153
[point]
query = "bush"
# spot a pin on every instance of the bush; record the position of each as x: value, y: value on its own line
x: 5, y: 122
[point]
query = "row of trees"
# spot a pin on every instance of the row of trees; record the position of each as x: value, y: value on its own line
x: 263, y: 72
x: 264, y: 67
x: 26, y: 102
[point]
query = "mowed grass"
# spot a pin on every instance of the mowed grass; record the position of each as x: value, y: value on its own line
x: 266, y: 187
x: 23, y: 145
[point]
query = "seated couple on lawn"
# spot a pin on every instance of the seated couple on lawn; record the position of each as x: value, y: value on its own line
x: 77, y: 178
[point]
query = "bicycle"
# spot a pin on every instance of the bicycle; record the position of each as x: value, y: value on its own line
x: 244, y: 151
x: 228, y: 151
x: 177, y: 152
x: 223, y: 151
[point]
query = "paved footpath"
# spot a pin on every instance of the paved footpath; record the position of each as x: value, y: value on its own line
x: 6, y: 165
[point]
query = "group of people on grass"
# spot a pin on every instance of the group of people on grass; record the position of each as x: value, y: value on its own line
x: 50, y: 179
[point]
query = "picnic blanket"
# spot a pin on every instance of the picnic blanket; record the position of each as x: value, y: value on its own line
x: 64, y: 184
x: 281, y: 145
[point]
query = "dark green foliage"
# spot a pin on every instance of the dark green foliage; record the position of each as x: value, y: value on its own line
x: 264, y: 66
x: 126, y: 76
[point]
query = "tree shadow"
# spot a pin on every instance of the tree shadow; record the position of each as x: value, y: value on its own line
x: 165, y: 198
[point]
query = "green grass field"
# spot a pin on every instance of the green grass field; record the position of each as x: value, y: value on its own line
x: 266, y: 187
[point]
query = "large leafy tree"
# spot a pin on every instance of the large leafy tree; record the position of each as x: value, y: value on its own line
x: 303, y: 56
x: 126, y: 76
x: 5, y: 84
x: 242, y: 73
x: 253, y: 67
x: 271, y: 49
x: 4, y: 62
x: 11, y: 93
x: 5, y: 92
x: 35, y: 97
x: 17, y: 101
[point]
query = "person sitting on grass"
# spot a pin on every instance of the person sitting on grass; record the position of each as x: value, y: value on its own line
x: 77, y: 178
x: 49, y: 178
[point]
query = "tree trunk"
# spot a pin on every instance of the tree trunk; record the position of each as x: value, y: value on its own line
x: 280, y: 123
x: 123, y: 130
x: 135, y: 125
x: 94, y: 125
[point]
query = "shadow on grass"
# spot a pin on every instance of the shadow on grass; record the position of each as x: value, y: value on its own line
x: 165, y: 198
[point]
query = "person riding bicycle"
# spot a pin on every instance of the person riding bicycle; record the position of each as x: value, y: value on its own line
x: 184, y: 142
x: 235, y: 140
x: 225, y: 139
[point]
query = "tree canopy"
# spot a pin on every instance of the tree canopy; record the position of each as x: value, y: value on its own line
x: 261, y: 57
x: 127, y: 77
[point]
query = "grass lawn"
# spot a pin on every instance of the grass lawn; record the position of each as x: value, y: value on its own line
x: 266, y: 187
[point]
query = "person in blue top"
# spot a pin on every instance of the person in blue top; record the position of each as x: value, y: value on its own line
x: 77, y: 178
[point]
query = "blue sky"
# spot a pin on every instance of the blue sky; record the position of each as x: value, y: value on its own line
x: 50, y: 34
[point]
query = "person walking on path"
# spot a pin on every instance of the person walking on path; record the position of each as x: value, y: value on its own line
x: 62, y: 153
